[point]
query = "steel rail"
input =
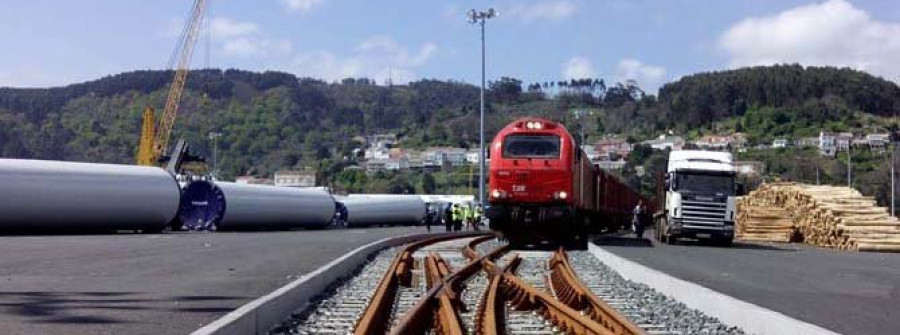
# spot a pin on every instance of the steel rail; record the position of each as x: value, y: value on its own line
x: 570, y: 291
x: 441, y: 300
x: 490, y: 317
x: 523, y: 296
x: 377, y: 314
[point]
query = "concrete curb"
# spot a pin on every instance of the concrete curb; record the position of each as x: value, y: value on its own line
x: 749, y: 317
x: 258, y: 316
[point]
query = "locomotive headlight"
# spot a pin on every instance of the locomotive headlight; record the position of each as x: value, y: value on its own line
x: 563, y: 195
x: 498, y: 194
x: 534, y: 125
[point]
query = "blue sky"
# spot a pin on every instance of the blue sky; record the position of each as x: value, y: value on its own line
x: 51, y: 42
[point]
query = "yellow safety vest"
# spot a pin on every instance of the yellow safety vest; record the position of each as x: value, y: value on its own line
x: 457, y: 213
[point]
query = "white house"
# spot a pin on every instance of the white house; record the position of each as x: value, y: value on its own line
x: 827, y: 143
x: 293, y: 178
x: 666, y: 142
x: 780, y: 143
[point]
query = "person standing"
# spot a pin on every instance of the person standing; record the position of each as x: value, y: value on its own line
x: 458, y: 216
x: 448, y: 216
x: 429, y: 215
x: 636, y: 221
x: 478, y: 217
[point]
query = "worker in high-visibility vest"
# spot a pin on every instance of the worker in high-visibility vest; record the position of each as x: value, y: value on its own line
x: 478, y: 216
x: 458, y: 216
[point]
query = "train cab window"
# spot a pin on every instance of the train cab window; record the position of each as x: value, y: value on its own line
x: 531, y: 146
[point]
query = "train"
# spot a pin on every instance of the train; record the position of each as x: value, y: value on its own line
x: 544, y: 189
x: 52, y: 196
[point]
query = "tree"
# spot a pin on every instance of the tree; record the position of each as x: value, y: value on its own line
x: 400, y: 185
x: 428, y: 183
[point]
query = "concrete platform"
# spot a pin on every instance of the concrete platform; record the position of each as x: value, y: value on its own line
x: 154, y: 284
x: 846, y: 292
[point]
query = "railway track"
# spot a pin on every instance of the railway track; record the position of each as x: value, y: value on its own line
x: 475, y: 285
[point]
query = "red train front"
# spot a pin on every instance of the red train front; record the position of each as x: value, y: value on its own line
x: 534, y: 185
x: 544, y: 189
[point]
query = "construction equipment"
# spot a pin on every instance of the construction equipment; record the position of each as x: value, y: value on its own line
x: 155, y: 138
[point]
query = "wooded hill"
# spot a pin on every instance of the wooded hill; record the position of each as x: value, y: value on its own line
x: 275, y: 120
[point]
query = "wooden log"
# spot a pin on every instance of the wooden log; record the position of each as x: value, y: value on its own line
x: 869, y: 247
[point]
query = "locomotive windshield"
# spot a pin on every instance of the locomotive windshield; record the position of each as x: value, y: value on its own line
x: 531, y: 146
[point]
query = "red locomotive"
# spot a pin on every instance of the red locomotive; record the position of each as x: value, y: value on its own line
x: 544, y: 189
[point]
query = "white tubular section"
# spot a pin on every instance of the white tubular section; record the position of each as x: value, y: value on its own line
x: 260, y: 315
x: 749, y: 317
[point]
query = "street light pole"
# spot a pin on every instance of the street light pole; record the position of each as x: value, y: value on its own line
x: 214, y: 136
x: 479, y: 17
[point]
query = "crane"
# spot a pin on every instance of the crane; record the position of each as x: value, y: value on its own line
x: 155, y: 138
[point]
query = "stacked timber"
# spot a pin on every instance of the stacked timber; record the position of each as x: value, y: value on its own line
x: 761, y: 219
x: 828, y: 216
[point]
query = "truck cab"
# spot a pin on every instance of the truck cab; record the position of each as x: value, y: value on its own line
x: 700, y: 193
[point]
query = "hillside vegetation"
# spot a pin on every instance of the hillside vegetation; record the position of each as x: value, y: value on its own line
x: 275, y: 120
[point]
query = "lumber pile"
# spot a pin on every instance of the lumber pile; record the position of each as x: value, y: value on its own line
x: 828, y: 216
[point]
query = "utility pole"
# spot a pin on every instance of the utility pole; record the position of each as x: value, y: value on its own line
x: 578, y: 115
x: 479, y: 17
x: 893, y: 188
x: 214, y: 137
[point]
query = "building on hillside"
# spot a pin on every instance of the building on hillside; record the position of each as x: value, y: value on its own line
x: 859, y: 143
x: 878, y: 141
x: 664, y: 142
x: 779, y: 143
x: 438, y: 156
x: 377, y: 153
x: 456, y: 156
x: 613, y: 145
x: 828, y: 144
x: 611, y: 165
x: 253, y: 180
x: 385, y: 141
x: 473, y: 156
x: 295, y: 178
x: 397, y: 164
x: 738, y: 140
x: 714, y: 142
x: 804, y: 142
x: 750, y: 167
x: 843, y: 140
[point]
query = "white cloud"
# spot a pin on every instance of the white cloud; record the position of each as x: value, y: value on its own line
x: 578, y: 68
x: 648, y: 77
x: 541, y: 10
x: 828, y: 33
x: 245, y: 39
x: 300, y: 5
x: 378, y: 57
x: 224, y: 28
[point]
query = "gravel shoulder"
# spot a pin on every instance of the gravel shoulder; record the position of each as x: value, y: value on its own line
x: 847, y: 292
x: 154, y: 284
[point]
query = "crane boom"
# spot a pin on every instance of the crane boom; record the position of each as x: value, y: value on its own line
x: 149, y: 151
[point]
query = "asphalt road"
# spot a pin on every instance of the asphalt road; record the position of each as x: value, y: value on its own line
x: 847, y: 292
x: 154, y: 284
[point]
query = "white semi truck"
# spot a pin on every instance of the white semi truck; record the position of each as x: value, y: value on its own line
x: 699, y: 189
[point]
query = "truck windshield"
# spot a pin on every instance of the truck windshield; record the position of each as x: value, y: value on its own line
x: 707, y: 184
x: 531, y: 146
